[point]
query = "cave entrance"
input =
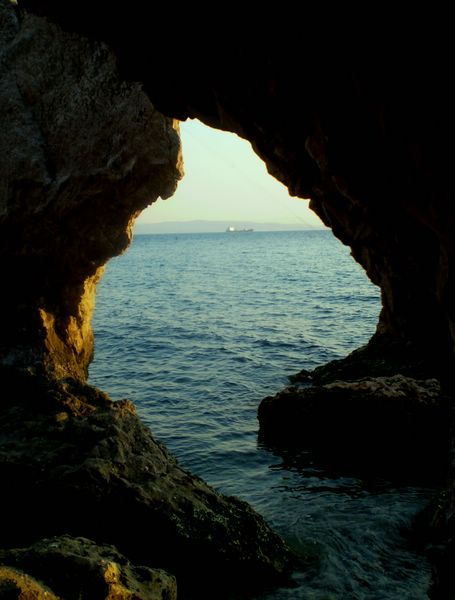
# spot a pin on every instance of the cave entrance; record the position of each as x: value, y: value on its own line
x: 225, y: 183
x: 196, y: 328
x: 193, y: 318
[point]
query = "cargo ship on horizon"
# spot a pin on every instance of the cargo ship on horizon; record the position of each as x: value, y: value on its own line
x: 232, y: 229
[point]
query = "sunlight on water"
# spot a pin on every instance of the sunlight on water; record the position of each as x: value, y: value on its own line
x: 197, y: 329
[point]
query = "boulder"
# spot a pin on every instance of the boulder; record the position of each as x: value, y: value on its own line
x: 17, y: 585
x: 78, y: 568
x: 395, y: 426
x: 76, y: 463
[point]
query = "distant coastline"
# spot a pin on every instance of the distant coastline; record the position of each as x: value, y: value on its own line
x: 200, y: 226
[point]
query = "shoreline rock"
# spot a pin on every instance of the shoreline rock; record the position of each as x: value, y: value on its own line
x: 393, y: 426
x: 84, y: 151
x: 79, y: 464
x: 382, y: 356
x: 396, y: 426
x: 17, y: 584
x: 435, y: 532
x: 77, y: 568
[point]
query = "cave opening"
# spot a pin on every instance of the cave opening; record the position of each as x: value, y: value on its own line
x: 290, y: 289
x: 84, y: 151
x: 197, y: 327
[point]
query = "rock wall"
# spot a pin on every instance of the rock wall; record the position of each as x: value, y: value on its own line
x: 362, y: 124
x: 364, y: 129
x: 82, y: 154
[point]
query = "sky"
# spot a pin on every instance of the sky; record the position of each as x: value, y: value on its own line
x: 226, y: 181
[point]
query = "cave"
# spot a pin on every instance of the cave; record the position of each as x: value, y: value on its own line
x: 367, y: 139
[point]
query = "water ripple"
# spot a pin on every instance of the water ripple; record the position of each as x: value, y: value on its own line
x: 197, y: 329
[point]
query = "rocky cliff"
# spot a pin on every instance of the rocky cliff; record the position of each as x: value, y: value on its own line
x: 83, y: 152
x: 363, y: 126
x: 359, y: 123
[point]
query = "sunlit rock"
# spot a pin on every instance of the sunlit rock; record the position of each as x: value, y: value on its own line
x: 82, y: 153
x: 15, y: 584
x: 78, y: 568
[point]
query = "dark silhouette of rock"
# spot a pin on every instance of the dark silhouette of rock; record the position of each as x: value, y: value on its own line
x: 77, y: 463
x: 435, y: 531
x: 394, y: 426
x: 359, y: 122
x: 381, y: 357
x: 364, y: 129
x: 83, y: 152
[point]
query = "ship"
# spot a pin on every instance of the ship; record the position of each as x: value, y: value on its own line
x: 232, y: 229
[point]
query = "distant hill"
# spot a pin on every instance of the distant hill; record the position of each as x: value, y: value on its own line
x: 214, y: 226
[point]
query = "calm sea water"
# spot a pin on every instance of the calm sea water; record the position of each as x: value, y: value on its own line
x: 196, y: 329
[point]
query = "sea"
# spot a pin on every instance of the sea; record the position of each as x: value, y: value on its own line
x: 196, y: 329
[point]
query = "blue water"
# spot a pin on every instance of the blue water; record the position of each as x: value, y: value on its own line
x: 196, y: 329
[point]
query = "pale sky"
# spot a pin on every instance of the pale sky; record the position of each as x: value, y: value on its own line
x: 226, y: 181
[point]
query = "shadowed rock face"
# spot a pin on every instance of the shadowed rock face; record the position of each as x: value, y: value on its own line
x: 77, y: 463
x: 395, y: 426
x: 358, y: 123
x: 82, y: 154
x: 368, y: 138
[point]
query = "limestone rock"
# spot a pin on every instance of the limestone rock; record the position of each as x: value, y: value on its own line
x: 78, y: 568
x: 16, y: 585
x: 366, y: 136
x: 381, y: 357
x: 83, y: 152
x: 77, y: 463
x: 361, y: 128
x: 397, y: 425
